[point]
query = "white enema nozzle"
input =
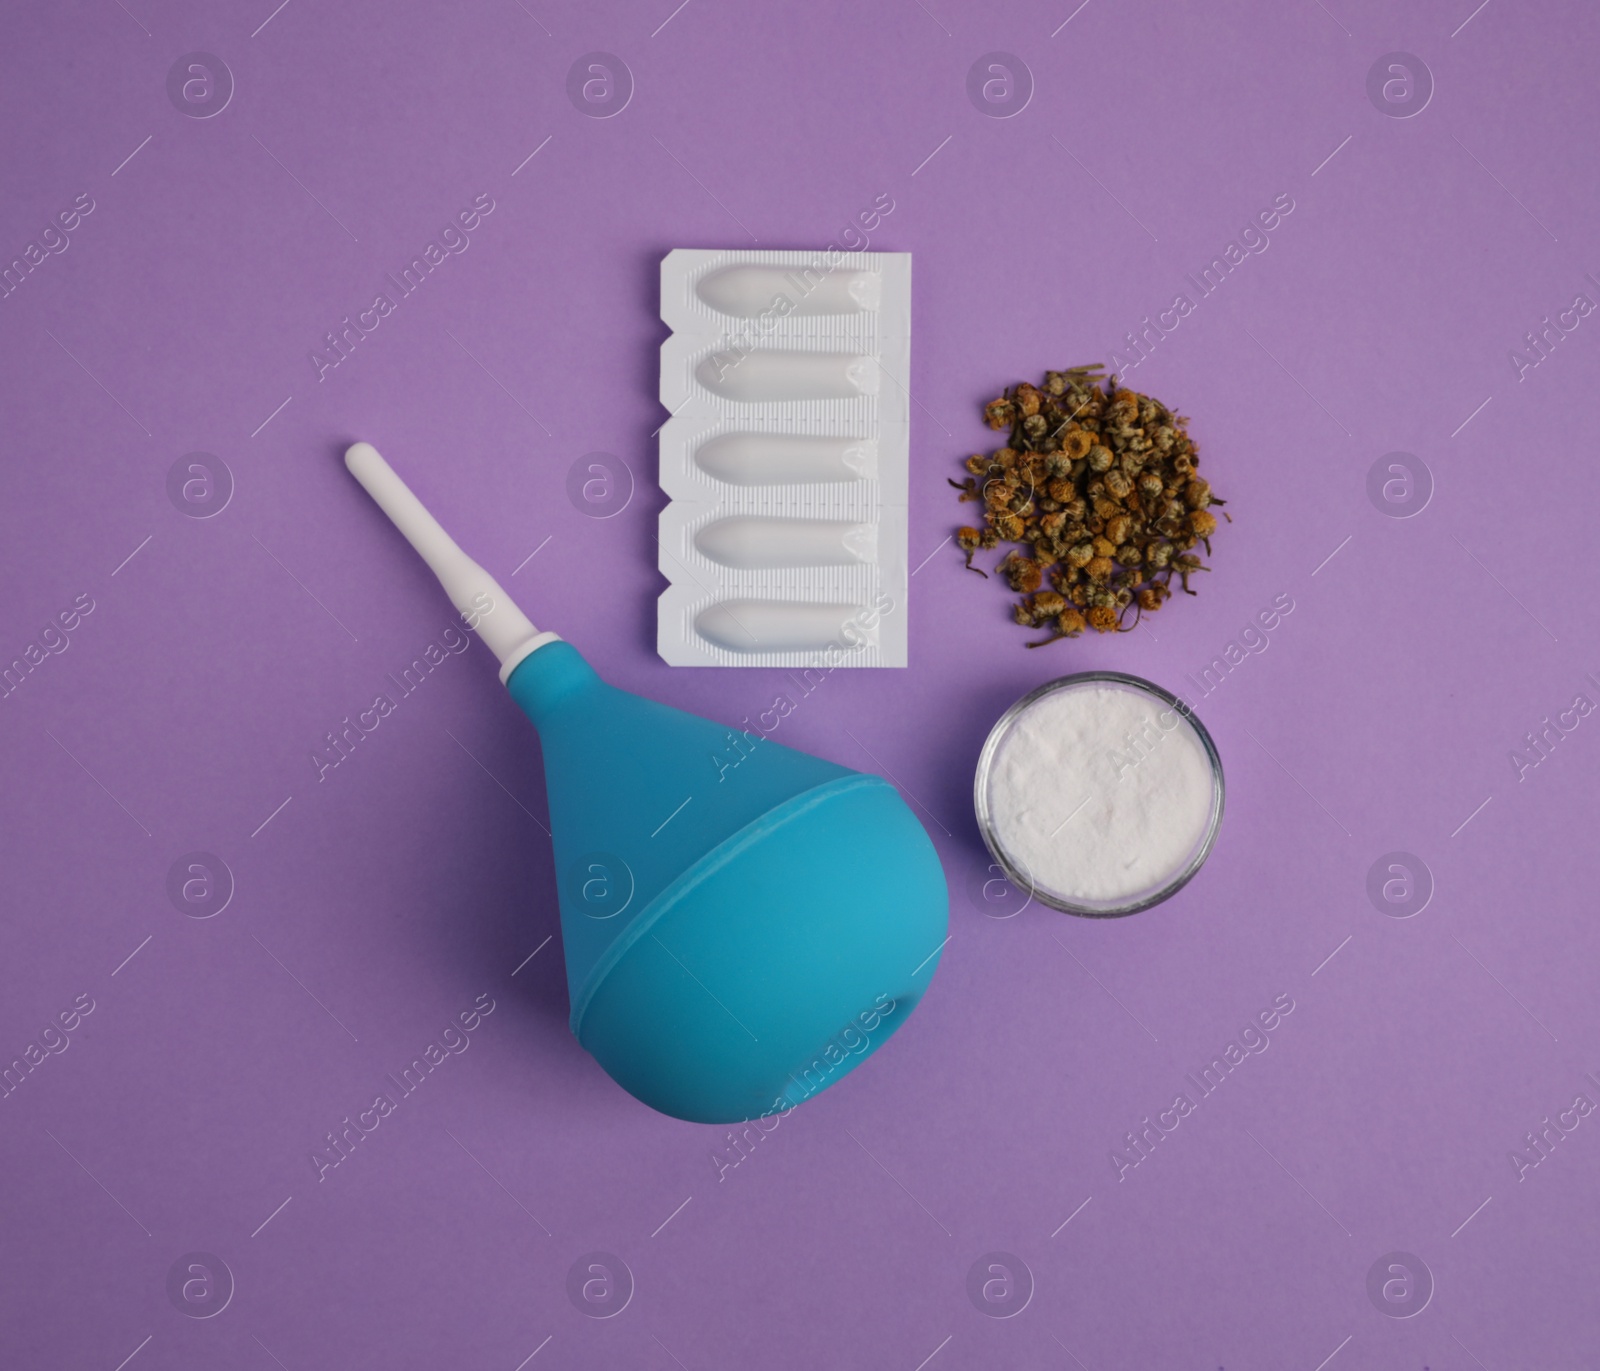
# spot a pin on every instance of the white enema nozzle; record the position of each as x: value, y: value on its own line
x: 484, y: 606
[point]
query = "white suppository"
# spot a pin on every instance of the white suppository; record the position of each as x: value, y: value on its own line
x: 1100, y: 793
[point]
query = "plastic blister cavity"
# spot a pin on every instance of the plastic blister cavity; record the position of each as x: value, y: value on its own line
x: 787, y: 376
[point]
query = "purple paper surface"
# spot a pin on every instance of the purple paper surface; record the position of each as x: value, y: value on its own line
x: 1398, y: 1177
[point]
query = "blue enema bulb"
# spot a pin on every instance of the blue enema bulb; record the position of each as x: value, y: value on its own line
x: 737, y: 937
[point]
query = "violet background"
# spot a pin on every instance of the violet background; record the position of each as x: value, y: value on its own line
x: 1418, y: 653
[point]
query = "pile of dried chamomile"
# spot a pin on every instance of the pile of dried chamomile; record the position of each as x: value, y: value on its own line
x: 1100, y: 486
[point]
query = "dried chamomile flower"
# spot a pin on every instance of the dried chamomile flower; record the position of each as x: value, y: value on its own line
x: 969, y: 540
x: 1096, y: 486
x: 999, y: 413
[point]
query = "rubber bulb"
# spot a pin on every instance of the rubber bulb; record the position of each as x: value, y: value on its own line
x: 744, y: 923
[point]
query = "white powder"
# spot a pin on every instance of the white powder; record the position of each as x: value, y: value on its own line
x: 1100, y: 793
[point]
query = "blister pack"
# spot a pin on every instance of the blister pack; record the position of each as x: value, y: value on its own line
x: 787, y: 376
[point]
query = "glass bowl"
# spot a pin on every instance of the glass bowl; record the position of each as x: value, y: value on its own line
x: 1015, y: 870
